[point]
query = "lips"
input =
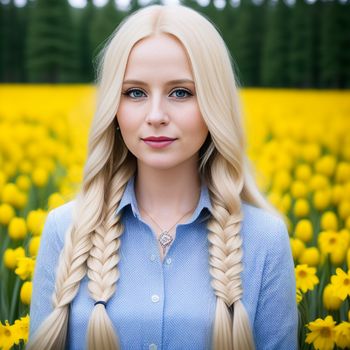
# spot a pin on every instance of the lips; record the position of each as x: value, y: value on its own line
x: 158, y: 138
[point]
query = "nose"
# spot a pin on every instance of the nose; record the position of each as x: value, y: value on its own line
x: 157, y: 114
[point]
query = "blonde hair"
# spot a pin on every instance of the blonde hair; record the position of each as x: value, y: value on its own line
x: 93, y: 239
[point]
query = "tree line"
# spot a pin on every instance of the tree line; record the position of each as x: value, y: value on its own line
x: 273, y: 43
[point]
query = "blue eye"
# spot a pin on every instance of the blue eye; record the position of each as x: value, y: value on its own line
x: 182, y: 93
x: 134, y: 93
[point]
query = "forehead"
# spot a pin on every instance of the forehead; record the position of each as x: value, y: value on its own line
x: 160, y: 54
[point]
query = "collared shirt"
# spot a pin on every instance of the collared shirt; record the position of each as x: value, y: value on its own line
x: 170, y: 305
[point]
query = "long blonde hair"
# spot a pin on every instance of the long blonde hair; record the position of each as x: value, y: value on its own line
x: 93, y: 240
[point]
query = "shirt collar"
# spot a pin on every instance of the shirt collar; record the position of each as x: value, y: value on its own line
x: 129, y: 198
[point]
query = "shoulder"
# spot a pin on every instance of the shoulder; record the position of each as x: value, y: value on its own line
x: 61, y: 218
x: 261, y: 227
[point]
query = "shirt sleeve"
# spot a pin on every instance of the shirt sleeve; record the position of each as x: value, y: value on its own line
x: 44, y: 274
x: 276, y: 322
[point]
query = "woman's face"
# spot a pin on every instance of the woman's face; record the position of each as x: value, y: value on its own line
x: 159, y: 100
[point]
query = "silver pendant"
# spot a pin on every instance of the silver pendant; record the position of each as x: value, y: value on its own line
x: 165, y: 239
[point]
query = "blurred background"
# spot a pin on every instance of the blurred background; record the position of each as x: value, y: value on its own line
x: 299, y: 43
x: 292, y: 60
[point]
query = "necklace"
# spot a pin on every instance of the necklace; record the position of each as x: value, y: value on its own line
x: 165, y: 238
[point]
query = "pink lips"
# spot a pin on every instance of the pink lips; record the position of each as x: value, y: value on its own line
x: 158, y: 141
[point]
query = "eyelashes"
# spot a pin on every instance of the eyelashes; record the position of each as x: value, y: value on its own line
x: 139, y: 93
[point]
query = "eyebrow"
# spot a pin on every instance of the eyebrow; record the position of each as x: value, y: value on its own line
x: 171, y: 82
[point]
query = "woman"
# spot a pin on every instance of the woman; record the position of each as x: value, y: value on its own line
x: 169, y: 244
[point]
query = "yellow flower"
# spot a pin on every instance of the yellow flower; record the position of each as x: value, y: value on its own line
x: 328, y: 241
x: 330, y: 300
x: 34, y: 244
x: 297, y: 247
x: 329, y: 221
x: 25, y: 167
x: 322, y: 333
x: 303, y: 172
x: 322, y: 199
x: 8, y: 335
x: 304, y: 230
x: 311, y: 152
x: 286, y: 202
x: 306, y: 278
x: 25, y: 268
x: 26, y: 292
x: 21, y: 200
x: 326, y: 165
x: 55, y: 200
x: 301, y: 207
x: 11, y: 256
x: 337, y: 194
x: 282, y: 180
x: 344, y: 209
x: 40, y: 177
x: 319, y: 182
x: 23, y: 182
x: 9, y: 194
x: 342, y: 335
x: 310, y: 256
x: 299, y: 189
x: 17, y: 228
x: 347, y: 223
x: 342, y: 173
x: 6, y: 213
x: 341, y: 281
x: 23, y: 327
x: 338, y: 255
x: 36, y: 221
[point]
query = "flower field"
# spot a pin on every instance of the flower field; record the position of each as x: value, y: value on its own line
x: 299, y: 144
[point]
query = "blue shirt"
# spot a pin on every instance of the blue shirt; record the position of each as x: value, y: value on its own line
x: 171, y: 304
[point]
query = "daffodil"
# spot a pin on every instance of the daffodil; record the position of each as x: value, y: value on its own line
x: 310, y: 256
x: 6, y: 213
x: 330, y: 299
x: 329, y: 221
x: 26, y: 292
x: 322, y: 334
x: 342, y: 335
x: 25, y: 268
x: 341, y: 282
x: 304, y: 230
x: 306, y: 278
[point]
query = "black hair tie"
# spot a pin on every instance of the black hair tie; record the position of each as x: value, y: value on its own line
x: 101, y: 302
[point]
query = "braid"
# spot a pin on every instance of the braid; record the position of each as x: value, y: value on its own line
x: 231, y: 327
x: 71, y: 270
x: 103, y: 270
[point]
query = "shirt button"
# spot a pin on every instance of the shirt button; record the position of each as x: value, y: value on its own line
x: 168, y: 261
x: 155, y: 298
x: 153, y: 257
x: 152, y: 347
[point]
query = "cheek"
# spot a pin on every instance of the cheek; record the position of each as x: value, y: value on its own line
x: 127, y: 118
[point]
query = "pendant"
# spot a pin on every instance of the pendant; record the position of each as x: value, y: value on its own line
x: 165, y: 239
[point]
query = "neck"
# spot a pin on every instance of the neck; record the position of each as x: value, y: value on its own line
x: 167, y: 193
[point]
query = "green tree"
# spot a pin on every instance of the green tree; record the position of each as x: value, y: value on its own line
x: 13, y: 23
x: 105, y: 21
x: 302, y: 45
x: 275, y: 46
x: 248, y: 41
x: 51, y: 43
x: 84, y: 42
x: 334, y: 35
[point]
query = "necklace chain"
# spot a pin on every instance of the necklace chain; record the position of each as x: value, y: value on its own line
x: 165, y: 238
